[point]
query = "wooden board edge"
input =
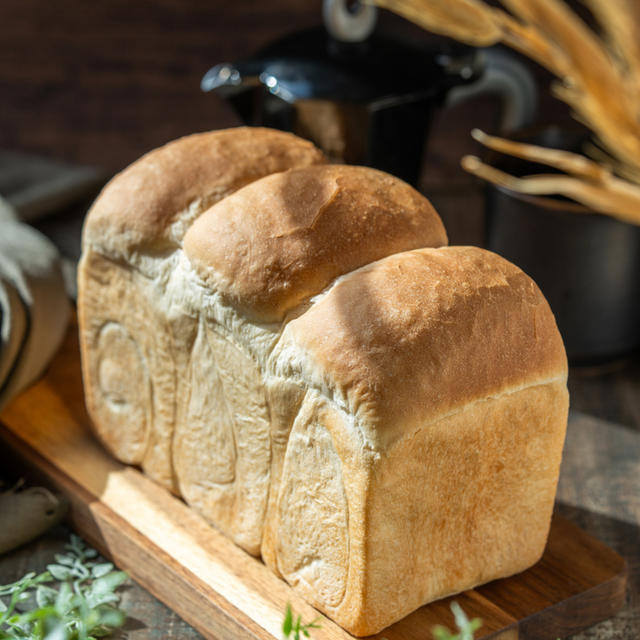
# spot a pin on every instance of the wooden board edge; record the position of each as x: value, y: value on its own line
x: 575, y: 614
x: 151, y: 567
x: 213, y: 616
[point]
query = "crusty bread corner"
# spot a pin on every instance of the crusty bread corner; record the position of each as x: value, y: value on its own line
x: 429, y: 437
x: 149, y: 206
x: 283, y: 239
x: 420, y: 333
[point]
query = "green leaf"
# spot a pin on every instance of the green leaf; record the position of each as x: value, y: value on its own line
x: 76, y: 543
x: 459, y: 615
x: 59, y: 571
x: 102, y: 599
x: 65, y: 559
x: 45, y: 596
x: 294, y: 625
x: 58, y: 632
x: 465, y: 626
x: 99, y: 570
x: 80, y: 570
x: 37, y: 614
x: 108, y: 583
x: 111, y: 617
x: 288, y: 622
x: 64, y: 599
x: 441, y: 633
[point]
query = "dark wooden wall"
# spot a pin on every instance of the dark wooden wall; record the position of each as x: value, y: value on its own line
x: 102, y: 81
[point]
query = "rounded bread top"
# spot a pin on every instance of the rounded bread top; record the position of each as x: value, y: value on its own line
x: 421, y: 333
x: 137, y: 208
x: 284, y: 238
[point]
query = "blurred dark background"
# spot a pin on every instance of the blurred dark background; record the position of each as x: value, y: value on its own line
x: 100, y: 83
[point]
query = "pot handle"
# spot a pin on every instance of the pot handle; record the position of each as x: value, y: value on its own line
x: 511, y: 80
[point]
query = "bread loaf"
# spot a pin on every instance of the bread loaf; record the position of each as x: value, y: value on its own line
x: 134, y: 343
x: 305, y: 361
x: 424, y: 457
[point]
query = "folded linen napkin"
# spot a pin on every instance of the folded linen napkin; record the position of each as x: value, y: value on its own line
x: 34, y: 307
x: 28, y: 513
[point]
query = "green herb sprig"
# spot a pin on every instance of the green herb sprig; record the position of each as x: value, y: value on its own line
x: 74, y: 599
x: 293, y: 626
x: 466, y: 627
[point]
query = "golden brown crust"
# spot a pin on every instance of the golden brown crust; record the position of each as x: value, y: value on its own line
x: 474, y: 492
x: 416, y: 405
x: 420, y: 333
x: 284, y: 238
x: 136, y: 209
x: 444, y: 370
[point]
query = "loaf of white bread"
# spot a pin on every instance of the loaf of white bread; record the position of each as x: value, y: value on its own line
x: 291, y: 347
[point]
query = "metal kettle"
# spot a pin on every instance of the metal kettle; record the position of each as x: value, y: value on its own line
x: 362, y: 96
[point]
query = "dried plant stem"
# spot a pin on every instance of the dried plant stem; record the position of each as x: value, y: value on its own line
x: 619, y: 20
x: 599, y: 78
x: 469, y: 21
x: 614, y: 198
x: 566, y: 161
x: 526, y: 40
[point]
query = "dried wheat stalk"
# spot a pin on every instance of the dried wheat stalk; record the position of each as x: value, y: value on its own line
x: 587, y: 182
x: 467, y: 20
x: 566, y: 161
x: 599, y: 77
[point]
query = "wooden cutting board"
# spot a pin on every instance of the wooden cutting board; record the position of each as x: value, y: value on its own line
x: 225, y: 593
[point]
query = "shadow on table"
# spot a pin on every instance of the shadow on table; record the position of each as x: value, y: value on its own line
x: 609, y: 392
x: 132, y: 624
x: 624, y: 538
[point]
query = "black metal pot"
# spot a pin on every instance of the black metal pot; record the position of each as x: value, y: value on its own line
x: 586, y: 264
x: 368, y: 102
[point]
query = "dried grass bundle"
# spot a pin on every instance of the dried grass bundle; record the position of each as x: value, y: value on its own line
x: 598, y: 76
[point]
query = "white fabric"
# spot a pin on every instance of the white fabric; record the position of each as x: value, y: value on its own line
x: 34, y: 308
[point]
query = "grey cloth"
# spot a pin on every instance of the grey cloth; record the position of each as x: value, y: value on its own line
x: 29, y: 513
x: 51, y: 195
x: 38, y: 187
x: 34, y: 307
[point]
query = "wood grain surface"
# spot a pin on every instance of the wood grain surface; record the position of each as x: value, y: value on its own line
x: 224, y: 592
